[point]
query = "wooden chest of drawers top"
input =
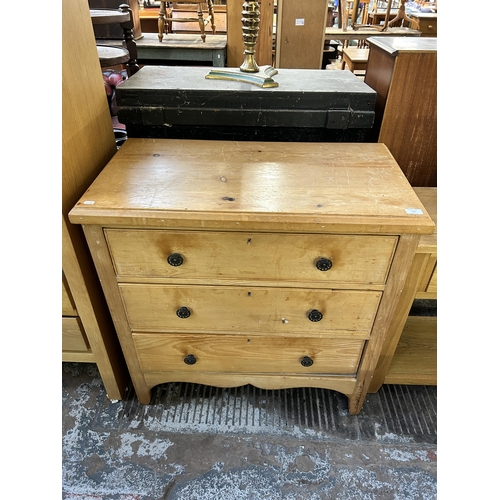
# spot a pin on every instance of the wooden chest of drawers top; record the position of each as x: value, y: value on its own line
x: 229, y: 185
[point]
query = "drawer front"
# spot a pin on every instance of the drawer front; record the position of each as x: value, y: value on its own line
x: 251, y: 256
x: 249, y: 309
x: 247, y: 354
x: 73, y: 335
x: 428, y: 27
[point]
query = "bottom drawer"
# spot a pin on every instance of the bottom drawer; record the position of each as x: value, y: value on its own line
x: 247, y: 354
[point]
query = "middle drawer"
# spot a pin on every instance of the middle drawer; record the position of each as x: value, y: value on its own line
x: 204, y: 309
x: 204, y: 255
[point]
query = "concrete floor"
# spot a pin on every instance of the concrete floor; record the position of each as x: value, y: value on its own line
x: 200, y: 443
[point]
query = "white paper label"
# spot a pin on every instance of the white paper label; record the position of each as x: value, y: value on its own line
x: 414, y: 211
x: 299, y: 22
x: 88, y: 202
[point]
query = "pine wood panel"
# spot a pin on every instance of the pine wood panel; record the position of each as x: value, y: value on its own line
x: 390, y: 313
x: 300, y: 33
x: 104, y: 267
x: 249, y: 309
x: 87, y: 145
x: 247, y: 354
x: 257, y: 256
x: 235, y: 46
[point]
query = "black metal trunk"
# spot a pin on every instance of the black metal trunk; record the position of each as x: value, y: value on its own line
x: 308, y: 105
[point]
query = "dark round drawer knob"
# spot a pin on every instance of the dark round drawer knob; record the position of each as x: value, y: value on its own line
x: 314, y: 315
x: 175, y: 259
x: 323, y: 264
x: 306, y: 361
x: 190, y: 359
x: 183, y: 312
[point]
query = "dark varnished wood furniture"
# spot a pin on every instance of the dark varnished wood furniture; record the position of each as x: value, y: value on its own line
x: 403, y: 72
x: 114, y: 31
x: 126, y: 53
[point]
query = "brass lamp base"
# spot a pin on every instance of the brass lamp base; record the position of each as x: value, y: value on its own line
x: 262, y: 78
x: 249, y: 71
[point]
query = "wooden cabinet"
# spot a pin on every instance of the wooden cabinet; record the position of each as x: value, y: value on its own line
x: 88, y: 143
x: 403, y: 72
x: 248, y: 268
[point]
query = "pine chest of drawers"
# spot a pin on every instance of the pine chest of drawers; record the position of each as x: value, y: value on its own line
x: 274, y: 264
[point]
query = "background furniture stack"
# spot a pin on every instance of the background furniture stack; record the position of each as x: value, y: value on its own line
x: 126, y: 53
x: 114, y: 31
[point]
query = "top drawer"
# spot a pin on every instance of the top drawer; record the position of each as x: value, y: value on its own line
x: 251, y: 256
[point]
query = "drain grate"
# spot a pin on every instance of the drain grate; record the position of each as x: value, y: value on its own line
x: 395, y: 412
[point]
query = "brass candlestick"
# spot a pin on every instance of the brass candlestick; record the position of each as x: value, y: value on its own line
x: 249, y: 71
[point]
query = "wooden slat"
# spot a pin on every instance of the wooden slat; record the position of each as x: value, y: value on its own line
x: 73, y: 336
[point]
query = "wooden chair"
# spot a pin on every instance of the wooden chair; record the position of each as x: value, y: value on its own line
x: 110, y: 54
x: 165, y: 17
x: 347, y: 9
x: 378, y: 12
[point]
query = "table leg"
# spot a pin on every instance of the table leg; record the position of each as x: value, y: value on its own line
x: 212, y: 16
x: 161, y: 20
